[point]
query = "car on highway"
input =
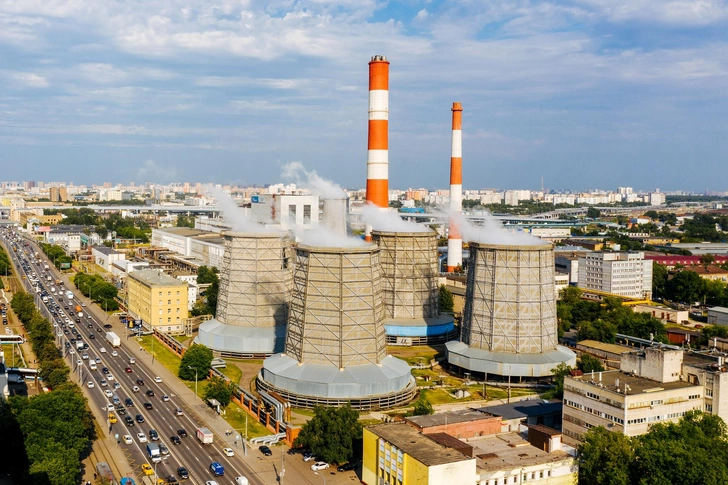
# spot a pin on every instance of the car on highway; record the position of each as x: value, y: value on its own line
x: 171, y: 480
x: 183, y: 473
x: 128, y: 402
x: 175, y: 440
x: 165, y: 398
x: 109, y: 377
x: 108, y: 393
x: 107, y: 325
x: 121, y: 410
x: 319, y: 465
x: 157, y: 379
x: 97, y: 360
x: 150, y: 393
x: 153, y: 435
x: 228, y: 451
x: 128, y: 439
x: 241, y: 480
x: 114, y: 353
x: 129, y: 421
x: 127, y: 370
x: 139, y: 418
x: 90, y: 385
x: 117, y: 385
x: 132, y: 361
x: 140, y: 382
x: 92, y: 337
x: 211, y: 482
x: 182, y: 433
x: 109, y: 407
x: 142, y: 437
x: 105, y: 370
x: 112, y: 418
x: 265, y: 450
x: 148, y: 406
x: 163, y: 449
x: 178, y: 412
x: 102, y: 350
x: 103, y: 383
x: 147, y: 469
x: 217, y: 469
x: 135, y: 389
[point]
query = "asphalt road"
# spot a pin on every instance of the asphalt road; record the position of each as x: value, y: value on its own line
x: 190, y: 453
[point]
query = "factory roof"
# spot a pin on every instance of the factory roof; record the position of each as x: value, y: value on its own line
x: 417, y: 445
x: 608, y: 380
x: 106, y: 250
x: 605, y: 347
x: 524, y: 409
x: 453, y: 417
x: 155, y: 278
x: 718, y: 309
x: 512, y: 450
x: 183, y: 231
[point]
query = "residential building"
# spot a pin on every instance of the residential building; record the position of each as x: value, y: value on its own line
x: 711, y: 272
x: 58, y: 194
x: 649, y: 388
x: 398, y: 454
x: 159, y: 300
x: 620, y: 273
x: 106, y: 257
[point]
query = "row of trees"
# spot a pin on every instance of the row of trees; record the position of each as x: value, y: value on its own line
x: 55, y: 427
x: 125, y: 227
x: 196, y: 364
x: 687, y: 286
x: 208, y: 304
x: 692, y: 451
x: 98, y: 289
x: 56, y: 254
x: 603, y: 320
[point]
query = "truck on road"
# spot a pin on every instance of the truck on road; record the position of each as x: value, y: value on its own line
x: 153, y: 452
x: 79, y: 311
x: 113, y: 339
x: 205, y: 436
x: 69, y: 295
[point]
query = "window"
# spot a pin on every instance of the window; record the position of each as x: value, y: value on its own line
x: 160, y: 311
x: 160, y: 321
x: 169, y: 320
x: 307, y: 214
x: 169, y: 302
x: 177, y: 309
x: 177, y: 292
x: 169, y: 293
x: 292, y: 214
x: 169, y: 310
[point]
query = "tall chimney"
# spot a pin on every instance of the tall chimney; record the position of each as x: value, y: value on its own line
x: 378, y: 145
x: 454, y: 239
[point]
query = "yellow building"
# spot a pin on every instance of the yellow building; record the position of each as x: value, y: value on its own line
x: 398, y: 454
x: 158, y: 300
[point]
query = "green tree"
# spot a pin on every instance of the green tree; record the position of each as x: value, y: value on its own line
x: 593, y: 213
x: 589, y: 363
x: 23, y: 305
x: 659, y: 280
x: 446, y: 300
x: 331, y: 433
x: 600, y: 330
x: 707, y: 259
x: 559, y: 372
x: 422, y: 407
x: 686, y: 286
x: 220, y: 389
x: 605, y: 458
x: 196, y: 357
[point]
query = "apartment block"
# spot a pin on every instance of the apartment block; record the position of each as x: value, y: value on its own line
x: 620, y: 273
x: 159, y: 300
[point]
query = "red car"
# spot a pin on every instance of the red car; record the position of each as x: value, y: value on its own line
x: 127, y: 370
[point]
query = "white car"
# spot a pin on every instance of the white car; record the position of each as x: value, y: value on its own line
x: 109, y: 407
x: 135, y: 389
x: 319, y: 465
x: 90, y: 385
x: 97, y: 360
x: 108, y: 393
x: 142, y: 437
x: 84, y: 356
x: 241, y: 481
x: 157, y: 379
x: 132, y: 361
x: 103, y: 382
x: 228, y: 451
x: 128, y: 439
x: 71, y: 351
x: 114, y: 353
x: 165, y: 398
x: 117, y: 385
x: 102, y: 350
x: 109, y: 377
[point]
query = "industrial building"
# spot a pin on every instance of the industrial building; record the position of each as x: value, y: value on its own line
x: 335, y: 348
x: 620, y: 273
x: 207, y: 248
x: 106, y: 257
x: 285, y: 211
x: 252, y: 306
x: 509, y: 321
x: 158, y: 300
x: 718, y: 315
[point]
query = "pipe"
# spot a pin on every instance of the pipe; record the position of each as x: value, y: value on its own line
x: 454, y: 239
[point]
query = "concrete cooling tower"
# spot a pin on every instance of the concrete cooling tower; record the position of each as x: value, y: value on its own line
x: 409, y: 288
x: 335, y: 345
x: 509, y: 323
x: 255, y: 285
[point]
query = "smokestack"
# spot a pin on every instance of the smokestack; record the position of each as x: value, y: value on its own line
x: 454, y: 240
x: 378, y: 144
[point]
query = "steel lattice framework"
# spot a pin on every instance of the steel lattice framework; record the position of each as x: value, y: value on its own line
x: 409, y: 273
x: 510, y: 303
x: 336, y: 309
x: 255, y: 280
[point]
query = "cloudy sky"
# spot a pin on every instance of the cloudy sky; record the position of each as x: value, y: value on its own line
x: 586, y: 93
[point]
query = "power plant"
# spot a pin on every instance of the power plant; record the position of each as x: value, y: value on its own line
x: 410, y: 290
x: 335, y: 344
x: 509, y: 321
x: 324, y: 312
x: 255, y: 285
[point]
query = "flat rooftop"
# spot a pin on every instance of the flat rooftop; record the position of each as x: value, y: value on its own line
x: 453, y: 417
x: 637, y: 384
x: 509, y: 451
x: 155, y: 278
x: 605, y: 347
x: 417, y: 445
x: 526, y: 408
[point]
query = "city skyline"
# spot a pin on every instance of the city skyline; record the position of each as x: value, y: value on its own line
x: 584, y: 93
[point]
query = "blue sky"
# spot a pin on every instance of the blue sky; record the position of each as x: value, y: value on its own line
x: 586, y: 93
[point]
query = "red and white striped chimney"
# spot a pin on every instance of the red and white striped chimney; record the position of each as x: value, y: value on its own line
x: 454, y: 239
x: 378, y: 145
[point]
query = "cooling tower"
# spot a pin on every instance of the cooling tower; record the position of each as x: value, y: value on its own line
x: 509, y: 323
x: 410, y: 292
x: 255, y: 284
x: 335, y: 344
x: 335, y: 215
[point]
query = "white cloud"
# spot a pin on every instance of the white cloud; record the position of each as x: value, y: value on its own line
x: 674, y: 12
x: 30, y: 80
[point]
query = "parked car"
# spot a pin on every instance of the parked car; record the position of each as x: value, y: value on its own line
x: 265, y: 450
x: 347, y: 466
x: 319, y: 465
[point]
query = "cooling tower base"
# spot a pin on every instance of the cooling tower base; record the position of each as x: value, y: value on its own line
x: 365, y: 387
x: 507, y: 363
x: 241, y: 342
x: 420, y: 331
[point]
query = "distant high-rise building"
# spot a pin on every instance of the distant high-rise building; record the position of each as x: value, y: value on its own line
x: 58, y: 194
x: 619, y: 273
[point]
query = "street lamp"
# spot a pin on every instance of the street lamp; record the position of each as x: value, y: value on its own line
x: 195, y: 369
x: 321, y: 475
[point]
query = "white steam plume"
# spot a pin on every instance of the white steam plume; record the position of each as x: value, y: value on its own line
x: 492, y: 232
x: 382, y: 220
x: 232, y: 213
x: 325, y: 189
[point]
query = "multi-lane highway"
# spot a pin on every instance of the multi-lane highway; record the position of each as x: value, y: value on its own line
x: 119, y: 375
